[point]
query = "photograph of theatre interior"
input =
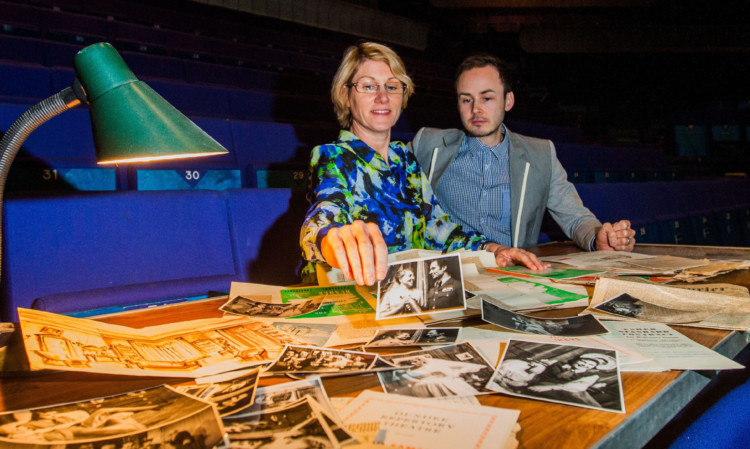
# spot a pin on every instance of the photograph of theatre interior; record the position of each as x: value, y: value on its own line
x: 374, y: 223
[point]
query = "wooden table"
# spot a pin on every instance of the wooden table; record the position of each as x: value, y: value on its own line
x: 651, y: 399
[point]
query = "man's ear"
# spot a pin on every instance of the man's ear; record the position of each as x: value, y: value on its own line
x: 510, y: 100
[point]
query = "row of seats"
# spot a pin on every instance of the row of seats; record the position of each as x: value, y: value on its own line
x: 121, y: 254
x: 237, y: 44
x: 702, y: 212
x: 74, y: 252
x: 263, y: 153
x: 264, y: 96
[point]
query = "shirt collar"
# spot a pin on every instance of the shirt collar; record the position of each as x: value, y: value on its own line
x: 499, y: 150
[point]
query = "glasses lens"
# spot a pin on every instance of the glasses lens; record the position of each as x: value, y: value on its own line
x: 371, y: 87
x: 367, y: 87
x: 394, y: 87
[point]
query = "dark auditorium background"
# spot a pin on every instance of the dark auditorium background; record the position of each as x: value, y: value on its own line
x: 630, y: 91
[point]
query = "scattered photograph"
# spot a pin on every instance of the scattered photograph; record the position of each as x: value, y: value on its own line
x: 414, y: 337
x: 577, y: 326
x: 313, y: 359
x: 300, y: 424
x: 455, y: 370
x: 194, y: 349
x: 151, y: 418
x: 316, y: 334
x: 628, y: 306
x: 281, y: 395
x: 230, y: 396
x: 423, y: 286
x: 438, y: 336
x: 565, y: 374
x: 242, y: 305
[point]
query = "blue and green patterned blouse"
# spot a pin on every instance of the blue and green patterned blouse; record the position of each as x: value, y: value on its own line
x: 351, y: 181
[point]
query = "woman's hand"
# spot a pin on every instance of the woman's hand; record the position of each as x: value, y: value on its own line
x: 358, y: 250
x: 505, y: 256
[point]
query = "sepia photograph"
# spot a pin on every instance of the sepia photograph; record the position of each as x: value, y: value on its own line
x: 153, y: 418
x: 314, y: 359
x: 300, y: 424
x: 242, y: 305
x: 455, y: 370
x: 577, y: 326
x: 185, y: 349
x: 423, y: 286
x: 565, y: 374
x: 230, y: 396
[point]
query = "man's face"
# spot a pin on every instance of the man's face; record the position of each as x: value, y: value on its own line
x: 436, y: 271
x: 482, y: 103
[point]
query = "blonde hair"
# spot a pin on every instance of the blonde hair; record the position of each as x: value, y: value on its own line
x: 353, y: 57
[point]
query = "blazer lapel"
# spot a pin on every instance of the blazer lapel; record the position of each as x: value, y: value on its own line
x: 518, y: 159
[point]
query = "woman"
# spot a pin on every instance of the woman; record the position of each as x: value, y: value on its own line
x: 402, y: 296
x: 370, y: 196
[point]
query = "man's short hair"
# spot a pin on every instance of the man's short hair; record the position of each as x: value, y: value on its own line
x: 484, y: 60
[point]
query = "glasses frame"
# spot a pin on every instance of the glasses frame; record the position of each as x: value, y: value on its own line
x: 403, y: 88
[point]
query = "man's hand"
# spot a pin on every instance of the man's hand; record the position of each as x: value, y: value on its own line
x: 505, y: 256
x: 358, y: 250
x: 615, y: 237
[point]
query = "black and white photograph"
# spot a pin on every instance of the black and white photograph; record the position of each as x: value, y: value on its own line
x: 154, y: 418
x: 577, y: 326
x: 628, y: 306
x: 277, y: 396
x: 416, y: 287
x: 241, y: 305
x: 414, y: 337
x: 300, y: 424
x: 314, y: 359
x: 316, y: 334
x: 230, y: 396
x: 455, y: 370
x: 565, y: 374
x: 438, y: 336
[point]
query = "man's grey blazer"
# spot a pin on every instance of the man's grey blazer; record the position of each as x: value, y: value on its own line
x: 537, y: 181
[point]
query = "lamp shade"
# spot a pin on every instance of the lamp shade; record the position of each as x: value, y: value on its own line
x: 130, y: 121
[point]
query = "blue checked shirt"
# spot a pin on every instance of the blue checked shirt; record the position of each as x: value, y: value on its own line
x: 475, y: 189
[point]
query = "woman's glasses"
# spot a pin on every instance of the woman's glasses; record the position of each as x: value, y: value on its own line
x: 371, y: 87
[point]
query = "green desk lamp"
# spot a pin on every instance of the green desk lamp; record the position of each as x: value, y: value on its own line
x: 130, y: 122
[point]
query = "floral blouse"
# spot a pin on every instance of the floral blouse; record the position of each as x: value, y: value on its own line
x: 351, y: 181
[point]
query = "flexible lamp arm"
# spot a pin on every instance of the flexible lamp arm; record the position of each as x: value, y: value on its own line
x: 38, y: 114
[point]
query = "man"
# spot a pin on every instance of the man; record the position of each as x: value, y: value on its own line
x: 445, y: 292
x: 499, y: 183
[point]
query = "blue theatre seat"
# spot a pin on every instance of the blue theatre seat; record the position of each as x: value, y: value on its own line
x: 76, y: 252
x: 725, y: 425
x: 135, y: 243
x: 20, y: 49
x: 28, y: 83
x: 265, y: 227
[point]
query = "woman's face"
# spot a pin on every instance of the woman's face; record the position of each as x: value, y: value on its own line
x: 373, y: 113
